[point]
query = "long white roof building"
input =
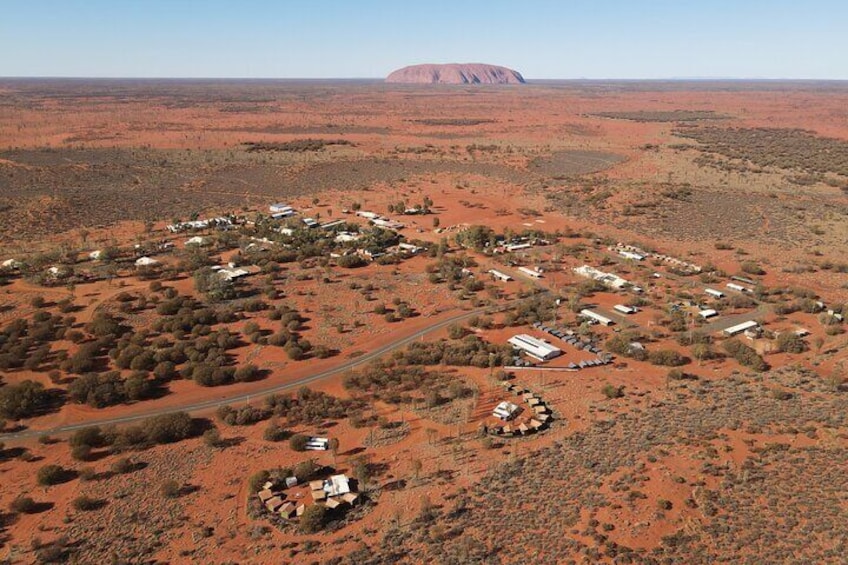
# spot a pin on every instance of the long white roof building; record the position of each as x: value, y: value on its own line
x: 535, y: 348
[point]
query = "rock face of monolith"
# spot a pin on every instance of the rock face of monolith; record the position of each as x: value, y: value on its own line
x: 456, y: 73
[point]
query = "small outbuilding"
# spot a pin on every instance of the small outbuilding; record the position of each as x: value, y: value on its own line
x: 287, y: 510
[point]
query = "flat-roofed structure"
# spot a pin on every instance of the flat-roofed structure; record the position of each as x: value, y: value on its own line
x: 707, y: 313
x: 631, y: 255
x: 592, y: 315
x: 287, y: 510
x: 499, y: 275
x: 535, y: 348
x: 607, y: 279
x: 337, y: 485
x: 317, y: 444
x: 739, y: 328
x: 737, y: 287
x: 535, y: 273
x: 624, y: 309
x: 505, y: 411
x: 713, y: 292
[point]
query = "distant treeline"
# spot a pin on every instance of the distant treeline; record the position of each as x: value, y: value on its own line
x: 294, y: 146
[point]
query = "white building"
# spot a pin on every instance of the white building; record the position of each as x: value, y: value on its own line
x: 535, y: 272
x: 200, y: 224
x: 231, y: 274
x: 346, y: 237
x: 707, y: 313
x: 738, y: 287
x: 518, y: 247
x: 624, y: 309
x: 607, y: 279
x: 310, y: 222
x: 331, y: 224
x: 535, y: 348
x: 410, y: 248
x: 631, y: 255
x: 713, y: 292
x: 739, y: 328
x: 280, y: 208
x: 499, y: 275
x: 337, y: 485
x: 11, y: 264
x: 197, y: 240
x: 386, y: 223
x: 145, y: 262
x: 505, y: 411
x: 592, y: 315
x: 318, y: 444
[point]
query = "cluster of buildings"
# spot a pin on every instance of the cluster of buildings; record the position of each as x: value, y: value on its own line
x: 638, y: 254
x: 334, y: 492
x: 380, y: 221
x: 542, y: 351
x: 507, y: 412
x: 220, y: 222
x: 610, y: 280
x: 231, y: 273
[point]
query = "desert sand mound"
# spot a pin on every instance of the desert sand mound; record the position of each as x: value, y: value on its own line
x: 466, y: 73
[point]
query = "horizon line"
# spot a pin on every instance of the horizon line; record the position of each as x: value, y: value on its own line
x: 382, y: 79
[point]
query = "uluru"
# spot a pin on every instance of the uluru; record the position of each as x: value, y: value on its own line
x: 455, y: 73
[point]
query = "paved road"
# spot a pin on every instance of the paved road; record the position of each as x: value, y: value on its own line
x: 234, y: 399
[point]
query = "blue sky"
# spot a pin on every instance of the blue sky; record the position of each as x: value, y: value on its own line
x: 370, y: 38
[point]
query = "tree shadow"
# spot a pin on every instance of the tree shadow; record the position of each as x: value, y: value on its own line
x: 232, y: 441
x: 93, y: 504
x: 188, y: 489
x: 399, y: 484
x: 40, y: 507
x: 11, y: 453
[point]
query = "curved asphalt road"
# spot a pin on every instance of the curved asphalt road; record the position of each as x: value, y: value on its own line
x: 208, y: 404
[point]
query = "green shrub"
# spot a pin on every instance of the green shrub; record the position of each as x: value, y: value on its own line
x: 298, y: 442
x: 169, y: 428
x: 790, y: 342
x: 170, y: 489
x: 24, y: 505
x: 667, y: 358
x: 52, y: 475
x: 23, y: 400
x: 86, y: 503
x: 745, y: 355
x: 254, y: 484
x: 611, y: 391
x: 313, y: 519
x: 275, y: 432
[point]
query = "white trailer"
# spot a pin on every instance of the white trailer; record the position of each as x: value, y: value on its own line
x: 624, y: 309
x: 713, y: 292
